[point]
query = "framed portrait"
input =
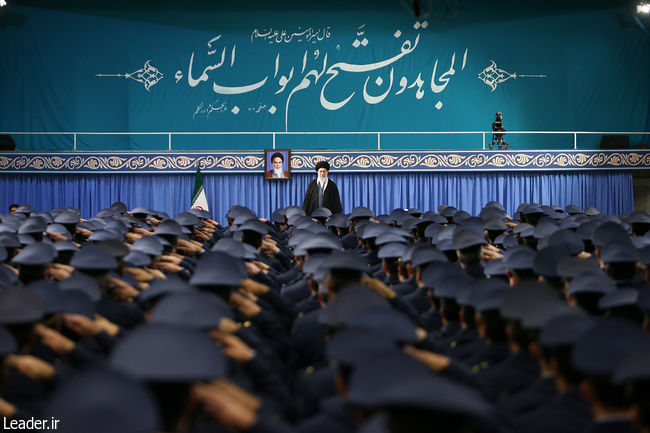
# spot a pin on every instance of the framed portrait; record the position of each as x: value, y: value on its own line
x: 277, y: 164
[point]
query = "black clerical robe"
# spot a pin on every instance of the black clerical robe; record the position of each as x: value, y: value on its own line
x: 331, y: 198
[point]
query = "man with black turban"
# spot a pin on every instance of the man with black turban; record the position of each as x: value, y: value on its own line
x: 322, y: 192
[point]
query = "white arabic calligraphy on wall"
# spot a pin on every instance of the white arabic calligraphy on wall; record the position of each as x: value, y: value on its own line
x: 325, y: 73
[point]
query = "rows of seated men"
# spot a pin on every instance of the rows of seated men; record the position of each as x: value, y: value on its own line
x: 136, y: 322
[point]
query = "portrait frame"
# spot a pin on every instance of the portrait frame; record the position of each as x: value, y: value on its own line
x: 269, y: 155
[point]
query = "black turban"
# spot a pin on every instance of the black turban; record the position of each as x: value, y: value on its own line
x: 323, y: 164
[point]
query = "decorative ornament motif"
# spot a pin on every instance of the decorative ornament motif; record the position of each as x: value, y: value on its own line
x: 147, y: 75
x: 493, y: 75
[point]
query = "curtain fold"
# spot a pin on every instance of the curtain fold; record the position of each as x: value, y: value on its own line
x: 610, y: 192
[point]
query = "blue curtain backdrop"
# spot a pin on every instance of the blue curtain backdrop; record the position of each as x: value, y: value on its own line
x: 611, y: 192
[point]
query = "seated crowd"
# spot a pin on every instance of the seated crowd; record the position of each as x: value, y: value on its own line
x: 136, y: 322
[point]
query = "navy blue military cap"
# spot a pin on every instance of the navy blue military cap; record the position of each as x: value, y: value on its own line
x: 639, y: 217
x: 565, y: 330
x: 349, y: 303
x: 385, y: 219
x: 316, y: 228
x: 495, y: 204
x: 58, y: 229
x: 107, y: 213
x: 116, y: 248
x: 547, y: 259
x: 467, y: 238
x: 447, y: 233
x: 390, y: 237
x: 106, y: 235
x: 521, y: 227
x: 102, y: 401
x: 278, y: 216
x: 525, y: 300
x: 608, y: 342
x: 7, y: 342
x: 170, y: 228
x: 447, y: 211
x: 489, y: 212
x: 424, y: 256
x: 547, y: 311
x: 339, y: 221
x: 163, y: 353
x: 360, y: 212
x: 233, y: 248
x: 607, y: 232
x: 635, y: 367
x: 406, y: 383
x: 188, y: 219
x: 391, y: 250
x: 148, y: 245
x: 448, y: 284
x: 119, y: 227
x: 254, y: 225
x: 573, y: 210
x: 407, y: 222
x: 32, y: 225
x: 532, y: 209
x: 494, y: 268
x: 410, y: 249
x: 158, y: 288
x: 387, y: 322
x: 521, y: 257
x: 640, y: 242
x: 544, y: 229
x: 26, y: 239
x: 591, y: 211
x: 298, y: 237
x: 569, y: 223
x: 8, y: 228
x: 594, y: 281
x: 434, y: 217
x: 78, y: 302
x: 489, y: 300
x: 129, y: 221
x: 219, y: 269
x: 460, y: 216
x: 324, y: 241
x: 294, y: 210
x: 93, y: 257
x: 619, y: 251
x: 567, y: 239
x: 140, y: 211
x: 36, y: 254
x: 313, y: 264
x: 527, y: 232
x: 373, y: 230
x: 67, y: 217
x: 24, y: 209
x: 321, y: 212
x: 471, y: 292
x: 119, y: 207
x: 18, y: 305
x: 82, y: 283
x: 52, y: 298
x: 445, y: 245
x: 89, y: 225
x: 495, y: 223
x: 432, y: 231
x: 415, y: 212
x: 618, y: 298
x: 137, y: 259
x: 574, y: 266
x: 354, y: 346
x: 345, y: 261
x: 199, y: 310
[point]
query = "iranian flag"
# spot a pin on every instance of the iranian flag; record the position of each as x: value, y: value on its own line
x: 199, y: 201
